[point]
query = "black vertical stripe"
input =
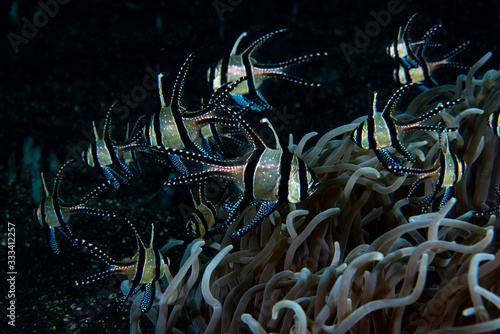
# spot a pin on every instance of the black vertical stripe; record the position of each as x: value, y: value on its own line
x: 248, y: 73
x: 139, y: 267
x: 494, y: 123
x: 201, y: 220
x: 157, y: 264
x: 285, y: 168
x: 211, y: 78
x: 393, y: 132
x: 109, y: 147
x: 156, y: 128
x: 249, y: 174
x: 58, y: 212
x: 427, y: 73
x: 302, y: 179
x: 408, y: 77
x: 359, y: 134
x: 93, y: 152
x: 372, y: 142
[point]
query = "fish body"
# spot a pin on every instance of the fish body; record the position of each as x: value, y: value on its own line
x: 265, y: 178
x: 414, y: 66
x: 237, y: 65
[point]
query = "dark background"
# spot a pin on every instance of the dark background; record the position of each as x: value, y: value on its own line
x: 90, y: 53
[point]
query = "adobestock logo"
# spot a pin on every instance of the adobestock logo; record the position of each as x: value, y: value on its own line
x: 362, y: 38
x: 222, y: 6
x: 30, y: 29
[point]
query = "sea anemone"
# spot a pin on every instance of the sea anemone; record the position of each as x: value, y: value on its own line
x: 358, y: 255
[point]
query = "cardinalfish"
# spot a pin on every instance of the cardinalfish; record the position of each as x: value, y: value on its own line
x: 129, y: 156
x: 237, y: 65
x: 264, y: 178
x: 446, y: 171
x: 53, y: 214
x: 200, y: 131
x: 414, y: 65
x: 114, y: 161
x: 206, y: 213
x: 381, y: 130
x: 146, y: 267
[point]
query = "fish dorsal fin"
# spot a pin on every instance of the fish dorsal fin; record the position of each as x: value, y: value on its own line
x: 152, y: 235
x: 237, y: 43
x: 261, y: 40
x: 444, y: 142
x: 160, y: 88
x: 276, y: 138
x: 45, y: 189
x: 374, y: 104
x: 96, y: 133
x: 401, y: 35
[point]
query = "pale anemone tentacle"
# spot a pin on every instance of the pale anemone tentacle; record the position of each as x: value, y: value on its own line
x: 336, y: 256
x: 354, y: 317
x: 289, y: 221
x: 352, y: 181
x: 170, y: 294
x: 346, y: 279
x: 325, y: 138
x: 478, y: 306
x: 253, y: 324
x: 314, y: 222
x: 301, y: 322
x: 205, y: 288
x: 300, y: 146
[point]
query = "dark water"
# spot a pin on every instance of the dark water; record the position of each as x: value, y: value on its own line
x: 62, y: 67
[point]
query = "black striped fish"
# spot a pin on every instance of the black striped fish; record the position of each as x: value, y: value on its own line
x: 174, y: 126
x: 206, y: 213
x: 129, y: 156
x: 381, y: 130
x: 108, y: 156
x: 265, y: 178
x: 145, y: 267
x: 414, y: 65
x: 446, y: 171
x: 237, y: 65
x: 53, y: 214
